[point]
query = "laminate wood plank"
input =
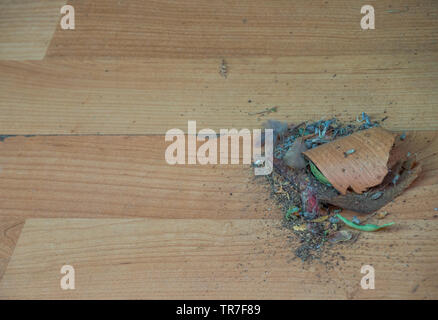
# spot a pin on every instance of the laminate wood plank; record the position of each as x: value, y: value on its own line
x: 245, y: 28
x: 74, y: 96
x: 208, y: 259
x: 121, y: 176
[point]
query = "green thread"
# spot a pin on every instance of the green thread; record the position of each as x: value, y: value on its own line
x: 318, y: 175
x: 366, y: 227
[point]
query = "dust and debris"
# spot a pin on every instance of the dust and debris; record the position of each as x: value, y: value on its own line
x: 3, y: 137
x: 223, y: 69
x: 376, y: 195
x: 264, y: 112
x: 381, y: 215
x: 406, y: 9
x: 310, y: 234
x: 341, y: 235
x: 313, y: 224
x: 348, y: 152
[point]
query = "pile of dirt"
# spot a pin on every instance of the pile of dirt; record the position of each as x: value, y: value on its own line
x: 323, y: 167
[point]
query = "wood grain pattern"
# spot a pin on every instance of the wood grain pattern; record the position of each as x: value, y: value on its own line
x: 27, y: 27
x: 10, y: 229
x: 245, y: 28
x: 224, y: 259
x: 70, y: 96
x: 136, y: 68
x: 127, y: 176
x: 120, y: 176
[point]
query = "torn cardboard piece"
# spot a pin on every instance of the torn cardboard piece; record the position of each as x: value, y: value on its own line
x: 358, y: 161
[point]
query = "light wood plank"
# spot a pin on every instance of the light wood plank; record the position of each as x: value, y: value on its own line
x: 27, y: 27
x: 207, y: 259
x: 121, y: 176
x: 69, y: 96
x: 127, y: 176
x: 230, y: 28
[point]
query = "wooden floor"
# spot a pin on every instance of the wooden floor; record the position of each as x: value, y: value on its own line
x: 83, y: 113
